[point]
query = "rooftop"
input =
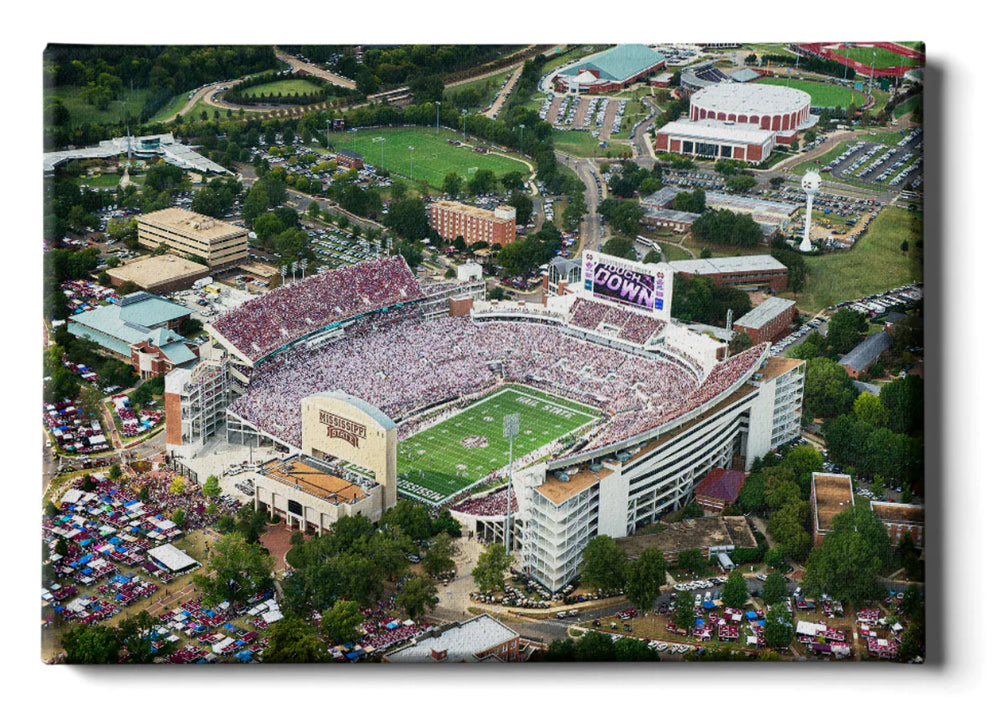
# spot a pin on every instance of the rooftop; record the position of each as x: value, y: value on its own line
x: 618, y: 63
x: 902, y: 513
x: 163, y: 145
x: 190, y: 223
x: 750, y: 99
x: 672, y: 214
x: 558, y: 491
x: 661, y: 197
x: 313, y: 478
x: 154, y: 270
x: 706, y: 532
x: 458, y: 643
x: 764, y: 312
x: 724, y: 265
x: 832, y: 493
x: 864, y: 354
x: 776, y: 366
x: 172, y: 557
x: 753, y: 205
x: 466, y: 209
x: 722, y: 484
x: 716, y: 130
x: 129, y: 322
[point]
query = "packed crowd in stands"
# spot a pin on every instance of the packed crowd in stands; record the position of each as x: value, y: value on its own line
x: 267, y: 323
x: 494, y: 504
x: 408, y: 367
x: 632, y: 326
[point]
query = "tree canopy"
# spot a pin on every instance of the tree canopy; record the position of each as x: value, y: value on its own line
x: 853, y: 555
x: 236, y: 570
x: 644, y: 576
x: 491, y: 568
x: 603, y: 564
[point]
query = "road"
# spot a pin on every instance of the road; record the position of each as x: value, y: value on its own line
x: 492, y: 111
x: 297, y: 65
x: 204, y: 93
x: 591, y: 229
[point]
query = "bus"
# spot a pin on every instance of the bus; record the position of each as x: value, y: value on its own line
x: 645, y: 242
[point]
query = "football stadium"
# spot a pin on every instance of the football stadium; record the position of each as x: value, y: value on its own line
x: 622, y: 410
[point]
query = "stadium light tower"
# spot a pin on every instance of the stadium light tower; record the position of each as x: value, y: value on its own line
x: 438, y: 131
x: 411, y: 163
x: 511, y: 428
x: 810, y: 184
x: 328, y: 133
x: 381, y: 141
x: 465, y: 113
x: 354, y: 131
x: 284, y: 271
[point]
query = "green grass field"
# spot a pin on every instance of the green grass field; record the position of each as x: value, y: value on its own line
x: 873, y: 265
x: 909, y: 105
x: 578, y: 144
x: 176, y: 104
x: 883, y: 58
x: 822, y: 95
x: 434, y: 463
x: 285, y: 87
x: 769, y: 48
x: 433, y: 157
x: 81, y: 113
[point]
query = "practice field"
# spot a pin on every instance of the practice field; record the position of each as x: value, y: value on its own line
x: 285, y: 87
x: 821, y: 94
x: 458, y: 452
x: 883, y: 58
x: 433, y: 157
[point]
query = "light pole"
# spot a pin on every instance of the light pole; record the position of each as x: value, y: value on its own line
x: 511, y: 428
x: 354, y: 131
x: 284, y: 271
x: 520, y: 142
x: 438, y: 117
x: 411, y: 164
x: 381, y: 141
x: 465, y: 113
x: 328, y: 134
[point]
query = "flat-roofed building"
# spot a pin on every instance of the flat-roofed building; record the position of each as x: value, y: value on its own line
x: 478, y: 639
x: 159, y: 274
x: 473, y: 224
x: 218, y: 243
x: 900, y: 519
x: 767, y: 320
x: 719, y: 489
x: 350, y: 159
x: 755, y: 271
x: 710, y: 535
x: 831, y: 494
x: 860, y: 358
x: 716, y: 140
x: 670, y: 219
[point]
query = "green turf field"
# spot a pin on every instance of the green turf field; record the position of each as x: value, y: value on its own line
x: 883, y: 58
x: 81, y: 113
x: 821, y: 94
x: 285, y: 87
x: 435, y: 464
x: 433, y: 157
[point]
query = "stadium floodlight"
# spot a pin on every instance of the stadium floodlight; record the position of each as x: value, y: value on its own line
x: 284, y: 271
x: 411, y: 163
x: 465, y: 113
x: 511, y: 428
x: 438, y: 131
x: 328, y: 134
x: 381, y: 141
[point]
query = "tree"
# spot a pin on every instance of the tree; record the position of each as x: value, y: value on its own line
x: 411, y: 517
x: 739, y: 343
x: 341, y: 623
x: 734, y: 591
x: 775, y: 589
x: 845, y: 330
x: 691, y: 560
x: 561, y: 650
x: 438, y: 557
x: 451, y: 185
x: 179, y: 517
x: 652, y: 257
x: 211, y: 489
x: 446, y: 523
x: 829, y: 390
x: 491, y: 568
x: 751, y: 496
x: 408, y: 218
x: 684, y: 615
x: 848, y: 563
x: 595, y: 646
x: 512, y: 180
x: 868, y: 408
x: 904, y: 403
x: 644, y: 576
x: 778, y: 630
x: 776, y: 182
x: 775, y: 556
x: 236, y: 570
x: 91, y: 644
x: 178, y: 485
x: 633, y: 650
x: 603, y: 564
x: 292, y: 640
x: 115, y: 473
x: 418, y: 594
x: 741, y: 183
x: 248, y: 522
x: 136, y: 635
x: 620, y: 247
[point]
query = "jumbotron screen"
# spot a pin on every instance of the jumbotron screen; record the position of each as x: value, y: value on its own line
x: 644, y: 287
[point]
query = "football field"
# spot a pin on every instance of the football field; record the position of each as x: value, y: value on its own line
x: 444, y: 459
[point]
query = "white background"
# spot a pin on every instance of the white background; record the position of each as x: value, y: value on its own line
x: 959, y: 162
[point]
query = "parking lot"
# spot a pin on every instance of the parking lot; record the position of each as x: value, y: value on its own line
x: 879, y: 164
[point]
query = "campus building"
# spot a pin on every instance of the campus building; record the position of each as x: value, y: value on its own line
x: 857, y: 361
x: 901, y: 519
x: 163, y: 147
x: 756, y: 271
x: 195, y: 401
x: 159, y: 274
x: 610, y: 70
x: 565, y: 503
x: 767, y: 320
x: 831, y: 494
x: 218, y: 243
x: 476, y: 640
x: 715, y: 140
x: 709, y: 535
x: 719, y: 489
x: 671, y: 220
x: 454, y: 219
x: 139, y: 330
x: 350, y: 159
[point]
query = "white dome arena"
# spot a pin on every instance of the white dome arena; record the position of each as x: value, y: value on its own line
x: 769, y: 107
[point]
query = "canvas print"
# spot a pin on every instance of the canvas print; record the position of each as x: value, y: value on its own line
x: 483, y: 353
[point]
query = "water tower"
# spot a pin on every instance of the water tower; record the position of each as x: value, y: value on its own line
x: 810, y: 185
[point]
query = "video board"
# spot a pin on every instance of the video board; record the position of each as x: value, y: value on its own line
x: 645, y: 287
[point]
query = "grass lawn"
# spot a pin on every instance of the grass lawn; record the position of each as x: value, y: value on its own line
x: 486, y: 86
x: 769, y: 48
x: 821, y: 94
x: 634, y: 111
x: 823, y: 159
x: 909, y: 105
x: 672, y: 253
x: 285, y: 87
x: 577, y: 143
x: 433, y: 157
x: 436, y: 459
x: 873, y: 265
x: 176, y: 104
x: 883, y: 58
x: 102, y: 181
x: 81, y: 113
x: 883, y: 138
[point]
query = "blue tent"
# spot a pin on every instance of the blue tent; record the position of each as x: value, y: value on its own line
x: 708, y: 604
x: 751, y: 615
x: 228, y: 626
x: 244, y: 656
x: 392, y: 625
x: 699, y: 622
x: 761, y: 622
x: 352, y: 656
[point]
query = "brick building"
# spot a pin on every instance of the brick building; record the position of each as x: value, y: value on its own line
x: 900, y: 519
x: 767, y: 320
x: 715, y: 140
x: 186, y: 233
x: 831, y: 494
x: 454, y: 219
x: 719, y: 489
x: 351, y: 159
x: 756, y: 271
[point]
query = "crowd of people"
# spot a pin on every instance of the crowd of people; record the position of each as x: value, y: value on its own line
x: 134, y: 424
x: 631, y: 326
x: 271, y: 321
x: 494, y: 504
